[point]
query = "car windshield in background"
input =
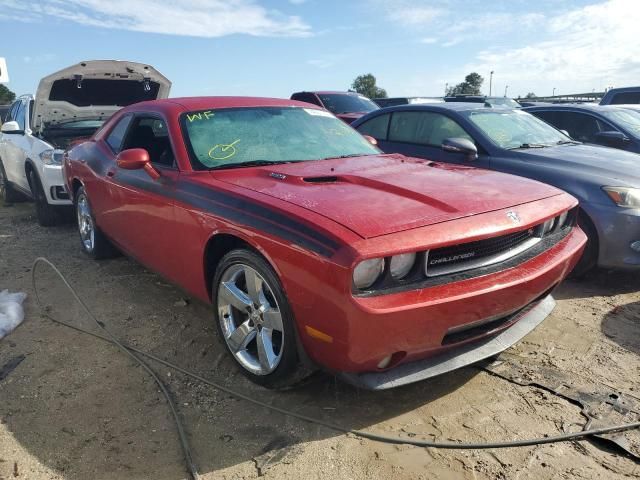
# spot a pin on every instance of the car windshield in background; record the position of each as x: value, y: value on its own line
x: 628, y: 119
x: 502, y: 102
x: 81, y: 124
x: 341, y: 103
x: 516, y: 129
x: 253, y: 136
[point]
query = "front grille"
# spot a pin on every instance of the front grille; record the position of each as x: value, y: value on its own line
x: 460, y: 257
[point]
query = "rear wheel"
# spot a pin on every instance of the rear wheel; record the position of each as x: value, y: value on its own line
x: 7, y: 194
x: 589, y: 258
x: 94, y: 243
x: 47, y: 215
x: 255, y: 321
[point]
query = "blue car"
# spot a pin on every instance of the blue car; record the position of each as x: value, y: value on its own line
x: 608, y: 125
x: 606, y: 181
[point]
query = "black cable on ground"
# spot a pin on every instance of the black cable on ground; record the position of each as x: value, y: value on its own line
x: 360, y: 433
x: 191, y: 466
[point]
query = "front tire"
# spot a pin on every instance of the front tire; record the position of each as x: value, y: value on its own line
x: 589, y: 258
x: 254, y: 320
x: 7, y: 194
x: 94, y: 242
x: 47, y: 215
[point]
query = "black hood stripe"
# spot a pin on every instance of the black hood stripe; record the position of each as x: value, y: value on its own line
x: 235, y: 209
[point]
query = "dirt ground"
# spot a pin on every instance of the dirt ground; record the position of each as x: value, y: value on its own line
x: 77, y: 408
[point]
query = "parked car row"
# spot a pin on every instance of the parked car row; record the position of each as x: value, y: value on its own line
x: 386, y: 258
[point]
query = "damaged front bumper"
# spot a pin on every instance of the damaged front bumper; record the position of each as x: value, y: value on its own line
x: 456, y: 358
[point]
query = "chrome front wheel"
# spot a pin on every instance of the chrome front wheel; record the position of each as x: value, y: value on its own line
x: 250, y: 319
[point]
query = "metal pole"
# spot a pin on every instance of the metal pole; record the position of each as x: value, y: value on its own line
x: 554, y: 92
x: 490, y: 82
x: 506, y: 87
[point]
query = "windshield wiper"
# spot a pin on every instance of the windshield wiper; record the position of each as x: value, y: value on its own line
x: 568, y: 142
x: 345, y: 156
x: 252, y: 163
x: 530, y: 145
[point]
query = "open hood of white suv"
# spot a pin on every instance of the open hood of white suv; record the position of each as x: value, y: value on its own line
x: 95, y: 89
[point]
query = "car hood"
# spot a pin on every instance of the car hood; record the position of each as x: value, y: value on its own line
x: 382, y: 194
x: 349, y: 117
x: 607, y: 162
x: 95, y: 90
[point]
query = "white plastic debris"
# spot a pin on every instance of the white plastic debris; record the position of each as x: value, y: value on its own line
x: 11, y: 311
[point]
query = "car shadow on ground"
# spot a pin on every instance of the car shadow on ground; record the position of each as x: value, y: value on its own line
x: 622, y: 325
x: 599, y: 282
x: 76, y: 398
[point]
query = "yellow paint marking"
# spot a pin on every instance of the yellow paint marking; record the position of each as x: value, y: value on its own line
x: 222, y: 151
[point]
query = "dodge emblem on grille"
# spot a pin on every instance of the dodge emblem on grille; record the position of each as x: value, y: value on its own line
x: 514, y: 216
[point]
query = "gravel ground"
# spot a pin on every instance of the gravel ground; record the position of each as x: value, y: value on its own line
x: 76, y: 407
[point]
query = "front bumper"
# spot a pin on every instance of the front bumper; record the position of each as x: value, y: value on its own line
x: 53, y: 185
x: 468, y: 354
x: 617, y: 229
x: 439, y: 321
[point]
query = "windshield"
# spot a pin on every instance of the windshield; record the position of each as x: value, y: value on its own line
x: 80, y: 124
x: 628, y: 119
x: 242, y: 136
x: 346, y: 103
x: 516, y: 129
x: 502, y: 102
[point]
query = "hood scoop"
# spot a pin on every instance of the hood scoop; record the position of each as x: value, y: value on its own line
x: 324, y: 179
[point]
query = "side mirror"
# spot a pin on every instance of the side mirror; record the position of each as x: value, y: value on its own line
x: 371, y: 140
x: 460, y: 145
x: 611, y: 138
x: 566, y: 133
x: 11, y: 127
x: 136, y: 159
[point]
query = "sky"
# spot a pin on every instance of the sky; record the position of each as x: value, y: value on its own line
x: 276, y: 47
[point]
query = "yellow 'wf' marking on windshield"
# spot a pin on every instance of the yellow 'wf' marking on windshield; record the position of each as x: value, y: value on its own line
x: 222, y: 151
x: 198, y: 116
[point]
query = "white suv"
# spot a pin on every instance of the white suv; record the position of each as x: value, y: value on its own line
x: 69, y: 105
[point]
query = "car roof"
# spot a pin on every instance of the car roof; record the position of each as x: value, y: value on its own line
x: 451, y: 106
x: 204, y: 103
x: 324, y: 92
x: 592, y: 107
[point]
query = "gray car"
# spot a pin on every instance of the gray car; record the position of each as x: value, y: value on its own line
x: 606, y: 181
x: 607, y: 125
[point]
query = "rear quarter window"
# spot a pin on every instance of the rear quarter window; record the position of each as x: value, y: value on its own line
x: 114, y: 139
x: 377, y: 127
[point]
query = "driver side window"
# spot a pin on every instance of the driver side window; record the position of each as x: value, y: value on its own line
x: 151, y: 133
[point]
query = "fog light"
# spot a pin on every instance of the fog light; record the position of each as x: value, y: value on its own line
x: 635, y: 246
x: 384, y: 363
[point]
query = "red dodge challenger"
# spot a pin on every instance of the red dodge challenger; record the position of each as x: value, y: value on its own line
x: 316, y: 250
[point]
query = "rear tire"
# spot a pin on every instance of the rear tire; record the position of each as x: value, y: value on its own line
x: 589, y: 258
x: 7, y: 194
x: 47, y: 215
x: 256, y: 325
x: 94, y: 243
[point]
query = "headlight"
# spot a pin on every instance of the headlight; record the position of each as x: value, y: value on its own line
x: 52, y: 157
x: 400, y: 265
x: 367, y: 272
x: 624, y: 196
x: 562, y: 219
x: 548, y: 226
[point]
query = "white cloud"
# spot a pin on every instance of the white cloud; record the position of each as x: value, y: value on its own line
x: 429, y: 40
x: 199, y: 18
x: 580, y: 50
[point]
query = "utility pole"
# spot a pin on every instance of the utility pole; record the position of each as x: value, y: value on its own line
x: 554, y: 92
x: 446, y: 89
x: 490, y: 82
x: 506, y: 87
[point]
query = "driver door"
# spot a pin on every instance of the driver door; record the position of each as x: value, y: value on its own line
x: 142, y: 210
